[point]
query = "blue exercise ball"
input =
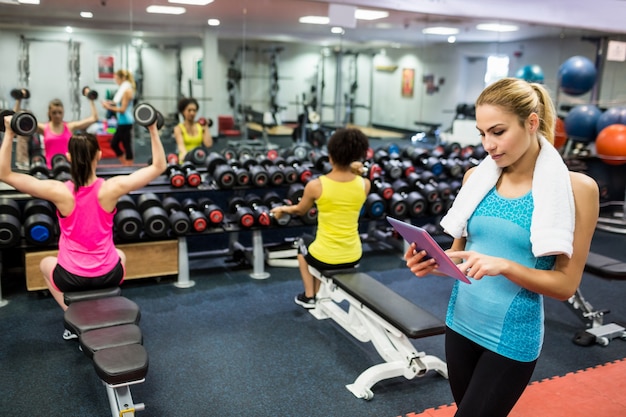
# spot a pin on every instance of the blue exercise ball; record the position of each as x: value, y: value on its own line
x: 612, y: 116
x: 577, y: 75
x: 581, y: 123
x: 530, y: 73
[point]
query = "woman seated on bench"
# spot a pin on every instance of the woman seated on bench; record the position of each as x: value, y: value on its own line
x: 87, y: 258
x: 339, y: 196
x: 522, y: 226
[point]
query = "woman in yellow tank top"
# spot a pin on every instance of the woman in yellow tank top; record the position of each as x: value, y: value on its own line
x: 339, y: 197
x: 189, y: 134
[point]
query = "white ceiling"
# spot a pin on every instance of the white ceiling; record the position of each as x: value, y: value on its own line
x: 277, y: 20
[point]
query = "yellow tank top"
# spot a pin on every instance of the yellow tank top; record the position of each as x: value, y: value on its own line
x: 191, y: 142
x: 337, y: 239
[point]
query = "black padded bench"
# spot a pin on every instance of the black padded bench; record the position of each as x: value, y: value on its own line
x: 107, y: 327
x: 379, y: 315
x: 605, y: 267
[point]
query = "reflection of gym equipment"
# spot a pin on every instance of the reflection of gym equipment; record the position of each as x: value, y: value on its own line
x: 377, y: 314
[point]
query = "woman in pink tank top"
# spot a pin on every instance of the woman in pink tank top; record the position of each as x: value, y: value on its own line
x: 85, y: 206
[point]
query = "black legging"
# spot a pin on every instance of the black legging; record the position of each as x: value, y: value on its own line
x: 123, y: 135
x: 483, y: 383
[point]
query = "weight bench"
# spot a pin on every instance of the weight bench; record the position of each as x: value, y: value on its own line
x: 106, y: 325
x: 597, y: 331
x: 377, y: 314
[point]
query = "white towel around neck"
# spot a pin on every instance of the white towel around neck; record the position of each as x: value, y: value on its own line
x: 552, y: 222
x: 126, y: 85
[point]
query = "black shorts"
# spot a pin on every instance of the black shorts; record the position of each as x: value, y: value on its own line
x: 305, y: 241
x: 67, y: 282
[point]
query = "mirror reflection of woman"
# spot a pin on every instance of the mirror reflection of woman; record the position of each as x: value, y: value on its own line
x: 122, y: 105
x: 190, y: 133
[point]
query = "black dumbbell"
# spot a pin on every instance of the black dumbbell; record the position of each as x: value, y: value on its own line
x: 89, y: 93
x: 23, y: 122
x: 61, y: 169
x: 212, y: 211
x: 288, y: 171
x: 406, y: 202
x: 303, y: 170
x: 243, y: 213
x: 20, y: 93
x: 426, y: 189
x: 320, y: 161
x: 40, y: 226
x: 10, y: 225
x: 271, y: 199
x: 192, y: 176
x: 127, y: 220
x: 220, y: 170
x: 382, y: 187
x: 242, y: 176
x: 423, y: 159
x: 174, y: 175
x: 146, y: 115
x: 39, y: 167
x: 179, y: 221
x: 156, y: 222
x: 275, y: 174
x: 199, y: 221
x: 261, y: 211
x: 374, y: 207
x: 258, y: 174
x: 442, y: 187
x: 197, y: 156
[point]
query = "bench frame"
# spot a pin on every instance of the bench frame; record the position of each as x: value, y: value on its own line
x: 401, y: 357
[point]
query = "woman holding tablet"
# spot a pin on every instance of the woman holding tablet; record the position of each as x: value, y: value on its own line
x: 522, y: 227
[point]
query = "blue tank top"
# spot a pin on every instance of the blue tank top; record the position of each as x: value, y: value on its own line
x: 493, y: 311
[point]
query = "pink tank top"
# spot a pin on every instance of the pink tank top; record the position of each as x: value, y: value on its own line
x: 86, y: 245
x: 55, y: 144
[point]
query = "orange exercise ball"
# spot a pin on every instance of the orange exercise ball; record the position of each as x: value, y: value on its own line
x: 560, y: 136
x: 611, y: 144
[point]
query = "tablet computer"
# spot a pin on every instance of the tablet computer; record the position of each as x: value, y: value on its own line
x: 424, y: 241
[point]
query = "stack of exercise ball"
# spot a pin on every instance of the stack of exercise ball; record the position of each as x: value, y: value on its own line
x: 577, y: 75
x: 530, y: 73
x: 611, y: 140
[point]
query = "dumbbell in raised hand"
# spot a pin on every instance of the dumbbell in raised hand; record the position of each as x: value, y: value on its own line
x: 40, y: 226
x: 23, y: 122
x: 156, y: 222
x: 20, y: 93
x: 212, y: 211
x: 127, y: 220
x: 199, y: 221
x: 10, y: 226
x: 220, y: 170
x: 146, y: 115
x: 261, y: 212
x: 179, y: 221
x: 242, y: 212
x: 192, y: 176
x: 89, y: 93
x: 271, y: 199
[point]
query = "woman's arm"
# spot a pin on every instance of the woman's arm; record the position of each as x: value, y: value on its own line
x: 207, y: 139
x: 52, y: 190
x: 120, y: 185
x: 86, y: 122
x: 312, y: 191
x: 180, y: 142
